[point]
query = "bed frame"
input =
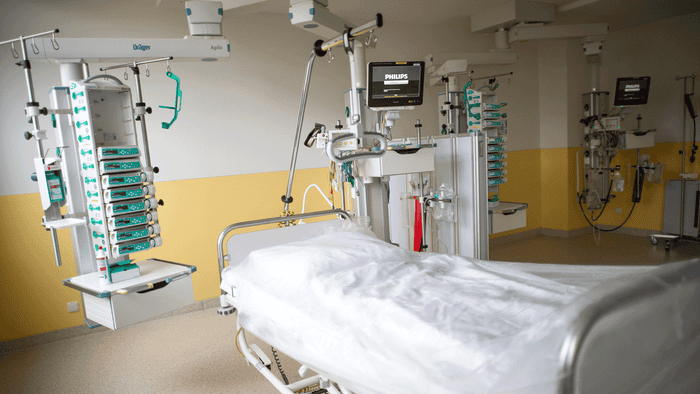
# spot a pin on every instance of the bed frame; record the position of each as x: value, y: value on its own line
x: 607, y: 302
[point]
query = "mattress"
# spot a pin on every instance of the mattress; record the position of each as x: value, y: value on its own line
x: 380, y: 319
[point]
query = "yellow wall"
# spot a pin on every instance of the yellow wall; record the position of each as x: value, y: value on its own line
x: 524, y: 187
x: 648, y: 214
x: 32, y: 296
x: 546, y: 179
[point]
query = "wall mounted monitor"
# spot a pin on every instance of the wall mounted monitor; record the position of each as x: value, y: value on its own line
x: 632, y: 91
x: 395, y: 84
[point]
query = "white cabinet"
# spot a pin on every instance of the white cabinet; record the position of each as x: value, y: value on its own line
x: 507, y: 216
x: 162, y: 287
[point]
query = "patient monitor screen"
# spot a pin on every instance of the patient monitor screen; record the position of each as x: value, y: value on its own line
x: 632, y: 91
x: 395, y: 84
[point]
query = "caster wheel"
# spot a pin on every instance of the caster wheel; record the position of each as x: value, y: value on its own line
x: 667, y: 245
x: 653, y: 240
x: 225, y: 311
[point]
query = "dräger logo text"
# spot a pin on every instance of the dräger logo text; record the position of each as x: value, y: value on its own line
x: 216, y: 47
x: 396, y: 76
x: 141, y: 47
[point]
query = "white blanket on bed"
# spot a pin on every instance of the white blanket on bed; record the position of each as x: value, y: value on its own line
x: 380, y: 319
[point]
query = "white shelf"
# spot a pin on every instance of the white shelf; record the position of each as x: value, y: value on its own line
x: 152, y: 271
x: 64, y: 223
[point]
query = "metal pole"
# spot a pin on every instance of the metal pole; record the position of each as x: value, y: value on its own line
x: 86, y: 71
x: 30, y: 95
x: 342, y: 193
x: 144, y: 134
x: 56, y: 249
x: 367, y: 27
x: 300, y: 121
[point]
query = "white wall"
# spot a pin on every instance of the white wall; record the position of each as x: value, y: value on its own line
x: 661, y: 50
x: 238, y: 116
x: 521, y: 92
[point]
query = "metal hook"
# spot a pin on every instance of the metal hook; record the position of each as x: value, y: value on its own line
x: 54, y: 43
x: 35, y: 48
x: 369, y: 37
x: 330, y: 55
x: 126, y: 75
x: 148, y: 72
x: 167, y: 62
x: 14, y: 51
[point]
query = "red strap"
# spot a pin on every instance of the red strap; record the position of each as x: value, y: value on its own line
x: 418, y: 229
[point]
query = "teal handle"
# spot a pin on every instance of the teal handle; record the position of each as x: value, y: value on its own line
x: 96, y: 235
x: 76, y: 109
x: 84, y: 123
x: 93, y: 208
x: 178, y: 101
x: 89, y: 194
x: 84, y: 152
x: 85, y: 166
x: 75, y: 95
x: 88, y: 180
x: 81, y: 138
x: 94, y: 222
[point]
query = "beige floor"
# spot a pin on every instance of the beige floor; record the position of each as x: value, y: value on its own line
x: 614, y: 249
x: 195, y: 352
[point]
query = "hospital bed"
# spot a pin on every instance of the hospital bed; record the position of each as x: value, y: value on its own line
x: 369, y: 317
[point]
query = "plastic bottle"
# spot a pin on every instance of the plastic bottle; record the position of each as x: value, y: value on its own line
x: 102, y: 271
x: 618, y: 184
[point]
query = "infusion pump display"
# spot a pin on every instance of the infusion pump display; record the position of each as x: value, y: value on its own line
x: 395, y: 84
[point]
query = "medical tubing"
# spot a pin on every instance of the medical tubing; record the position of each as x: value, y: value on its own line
x: 106, y: 76
x: 303, y: 204
x: 279, y: 365
x: 360, y: 155
x: 600, y: 229
x: 300, y: 121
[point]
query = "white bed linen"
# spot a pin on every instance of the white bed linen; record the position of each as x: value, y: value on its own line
x: 380, y: 319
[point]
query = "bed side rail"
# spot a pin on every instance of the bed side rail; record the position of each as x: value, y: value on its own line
x: 610, y: 299
x: 260, y: 222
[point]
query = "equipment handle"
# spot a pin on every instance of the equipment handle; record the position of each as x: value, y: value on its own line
x: 178, y: 101
x: 360, y: 155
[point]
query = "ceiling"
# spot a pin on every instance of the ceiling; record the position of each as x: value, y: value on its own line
x: 619, y: 14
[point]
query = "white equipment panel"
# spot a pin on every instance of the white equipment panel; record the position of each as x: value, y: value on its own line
x: 395, y: 163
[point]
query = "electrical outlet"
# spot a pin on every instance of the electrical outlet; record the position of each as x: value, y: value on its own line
x: 73, y: 307
x: 618, y: 210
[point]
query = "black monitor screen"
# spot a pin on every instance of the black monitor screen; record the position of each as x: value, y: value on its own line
x: 395, y: 84
x: 632, y: 91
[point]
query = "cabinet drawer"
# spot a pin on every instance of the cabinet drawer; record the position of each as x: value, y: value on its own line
x: 501, y: 222
x: 124, y: 310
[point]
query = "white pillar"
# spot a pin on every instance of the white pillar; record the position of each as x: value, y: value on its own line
x: 70, y: 72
